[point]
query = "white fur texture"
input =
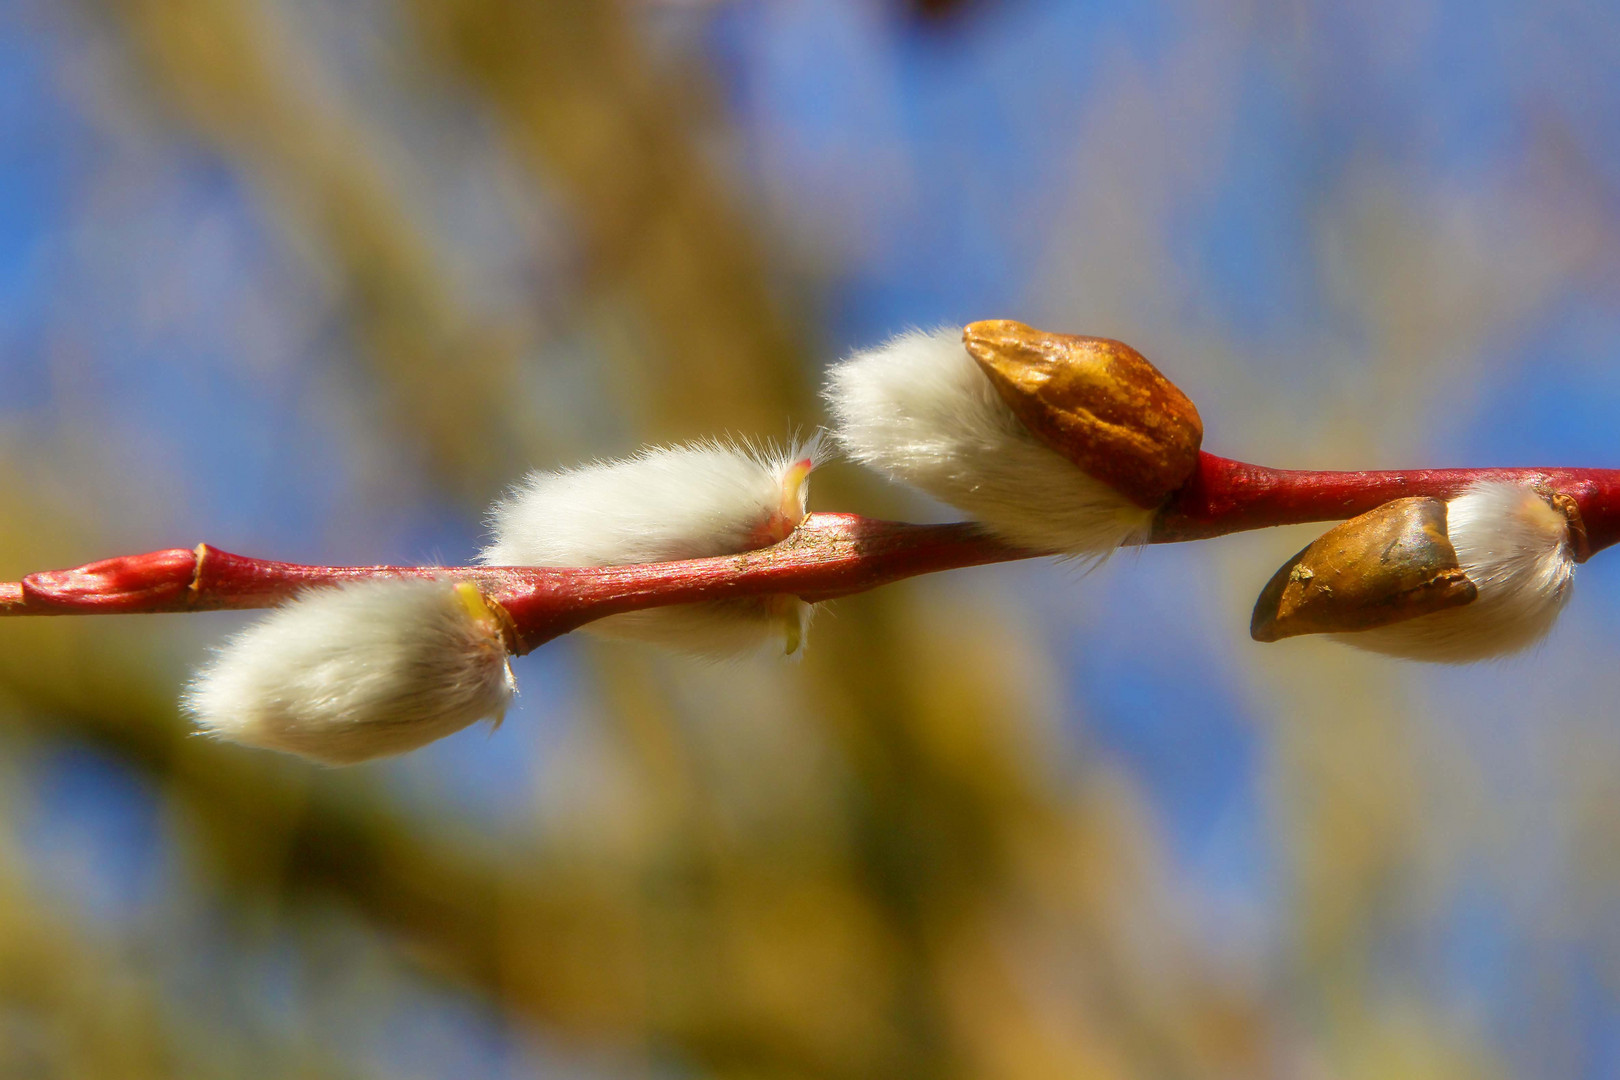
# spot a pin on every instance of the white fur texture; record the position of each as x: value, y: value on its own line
x: 345, y: 674
x: 920, y: 410
x: 1516, y: 549
x: 667, y: 503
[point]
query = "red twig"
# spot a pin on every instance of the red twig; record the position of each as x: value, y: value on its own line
x: 1226, y: 496
x: 830, y: 555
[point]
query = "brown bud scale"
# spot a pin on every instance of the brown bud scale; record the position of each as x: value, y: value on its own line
x: 1389, y: 565
x: 1097, y: 402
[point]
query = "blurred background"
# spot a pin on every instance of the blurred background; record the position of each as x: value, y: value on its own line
x: 316, y: 280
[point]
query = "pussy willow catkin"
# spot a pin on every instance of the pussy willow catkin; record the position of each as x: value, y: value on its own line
x: 1518, y: 552
x: 921, y: 411
x: 372, y: 668
x: 663, y: 504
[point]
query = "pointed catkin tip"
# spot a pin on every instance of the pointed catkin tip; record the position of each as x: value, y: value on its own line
x: 1096, y: 401
x: 1386, y: 566
x: 1471, y: 578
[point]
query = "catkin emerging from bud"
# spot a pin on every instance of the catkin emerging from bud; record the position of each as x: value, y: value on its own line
x: 1482, y: 575
x: 341, y: 675
x: 663, y: 504
x: 1097, y: 402
x: 921, y: 410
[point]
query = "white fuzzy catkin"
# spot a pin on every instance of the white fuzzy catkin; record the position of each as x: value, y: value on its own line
x: 920, y: 410
x: 663, y: 504
x: 341, y: 675
x: 1516, y: 549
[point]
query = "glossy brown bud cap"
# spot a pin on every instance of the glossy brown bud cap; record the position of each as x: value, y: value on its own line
x: 1097, y: 402
x: 1386, y: 566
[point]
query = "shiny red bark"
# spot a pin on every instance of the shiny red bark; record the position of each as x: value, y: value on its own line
x: 828, y: 556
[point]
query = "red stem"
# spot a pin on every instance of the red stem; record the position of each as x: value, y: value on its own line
x: 830, y: 555
x: 1226, y: 496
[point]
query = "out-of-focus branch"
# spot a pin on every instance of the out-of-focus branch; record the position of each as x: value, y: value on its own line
x: 222, y: 66
x: 590, y: 109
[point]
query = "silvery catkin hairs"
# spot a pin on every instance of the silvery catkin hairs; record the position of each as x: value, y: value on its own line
x: 1516, y: 550
x: 662, y: 504
x: 920, y: 410
x: 342, y: 675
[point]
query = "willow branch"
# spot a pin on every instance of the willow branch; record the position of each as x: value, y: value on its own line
x: 1225, y: 496
x: 828, y: 556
